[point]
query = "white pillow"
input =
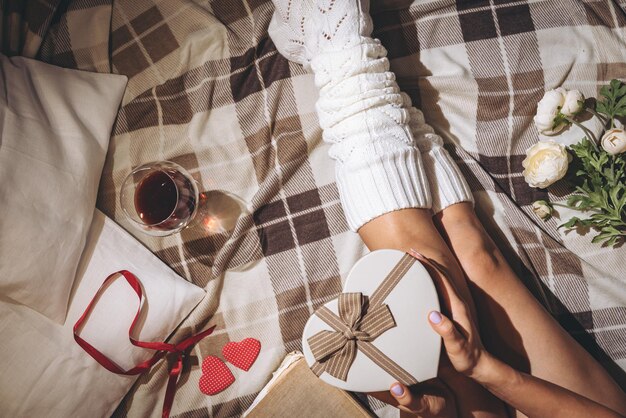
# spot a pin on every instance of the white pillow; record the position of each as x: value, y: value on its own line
x: 46, y: 373
x: 55, y: 126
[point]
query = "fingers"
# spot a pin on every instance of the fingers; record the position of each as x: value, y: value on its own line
x: 384, y: 396
x: 441, y: 277
x: 406, y: 400
x: 425, y: 404
x: 401, y: 394
x: 452, y: 338
x: 458, y: 307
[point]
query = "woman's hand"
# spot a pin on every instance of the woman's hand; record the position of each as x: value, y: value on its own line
x: 460, y: 337
x: 413, y: 228
x: 464, y: 349
x: 530, y: 395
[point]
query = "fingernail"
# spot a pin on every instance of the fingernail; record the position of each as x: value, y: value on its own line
x: 435, y: 317
x: 397, y: 390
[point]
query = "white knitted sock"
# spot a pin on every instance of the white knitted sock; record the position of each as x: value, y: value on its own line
x: 287, y: 29
x: 379, y: 169
x: 361, y: 110
x: 447, y: 184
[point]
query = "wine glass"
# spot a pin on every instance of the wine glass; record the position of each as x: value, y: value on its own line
x: 159, y: 198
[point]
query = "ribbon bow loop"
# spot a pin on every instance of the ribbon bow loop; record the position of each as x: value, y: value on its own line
x: 356, y: 323
x: 161, y: 348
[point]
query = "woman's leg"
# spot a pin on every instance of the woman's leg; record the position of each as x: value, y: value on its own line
x: 414, y: 229
x: 366, y: 120
x: 513, y: 324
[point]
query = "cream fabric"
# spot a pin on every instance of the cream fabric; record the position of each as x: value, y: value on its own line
x: 55, y: 125
x: 46, y: 373
x: 384, y: 162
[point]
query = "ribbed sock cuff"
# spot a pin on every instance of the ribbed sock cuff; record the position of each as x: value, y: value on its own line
x: 382, y: 184
x: 448, y: 185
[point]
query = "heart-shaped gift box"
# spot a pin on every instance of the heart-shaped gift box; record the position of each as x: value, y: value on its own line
x: 382, y: 334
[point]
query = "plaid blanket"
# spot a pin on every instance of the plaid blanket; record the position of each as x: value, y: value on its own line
x: 208, y: 90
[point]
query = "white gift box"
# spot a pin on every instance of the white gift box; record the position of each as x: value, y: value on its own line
x: 406, y: 348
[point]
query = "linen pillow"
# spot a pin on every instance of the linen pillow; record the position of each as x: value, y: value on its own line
x: 55, y: 126
x: 46, y: 373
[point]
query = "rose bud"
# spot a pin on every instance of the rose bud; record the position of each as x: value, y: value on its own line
x: 542, y: 209
x: 614, y: 141
x: 573, y: 104
x: 548, y: 119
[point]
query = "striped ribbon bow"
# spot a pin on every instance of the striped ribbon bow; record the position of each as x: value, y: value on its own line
x: 356, y: 325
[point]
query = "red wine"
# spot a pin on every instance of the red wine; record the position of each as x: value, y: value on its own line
x: 164, y: 199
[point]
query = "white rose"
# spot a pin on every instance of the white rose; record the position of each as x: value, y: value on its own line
x: 548, y: 119
x: 545, y: 163
x: 542, y: 209
x: 573, y: 104
x: 614, y: 141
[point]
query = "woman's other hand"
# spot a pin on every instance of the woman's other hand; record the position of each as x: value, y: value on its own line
x: 460, y: 337
x: 530, y: 395
x: 464, y: 350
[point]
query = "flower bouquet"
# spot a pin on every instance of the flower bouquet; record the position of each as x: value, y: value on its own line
x: 594, y: 167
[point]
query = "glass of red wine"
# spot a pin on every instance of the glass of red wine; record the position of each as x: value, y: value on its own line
x: 159, y: 198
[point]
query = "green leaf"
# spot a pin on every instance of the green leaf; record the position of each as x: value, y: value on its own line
x: 571, y: 223
x: 622, y: 101
x: 598, y: 238
x: 599, y: 178
x: 620, y: 112
x: 615, y: 194
x: 611, y: 230
x: 605, y: 91
x: 613, y: 240
x: 615, y: 86
x: 612, y: 105
x: 609, y: 234
x: 579, y: 202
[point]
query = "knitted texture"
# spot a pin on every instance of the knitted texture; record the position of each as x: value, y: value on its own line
x: 369, y: 123
x: 447, y: 184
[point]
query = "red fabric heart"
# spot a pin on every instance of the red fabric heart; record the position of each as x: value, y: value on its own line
x: 216, y: 376
x: 242, y: 354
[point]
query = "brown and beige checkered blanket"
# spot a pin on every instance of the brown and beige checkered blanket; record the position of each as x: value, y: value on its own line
x: 208, y: 90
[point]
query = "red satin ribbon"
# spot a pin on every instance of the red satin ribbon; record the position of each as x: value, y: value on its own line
x: 162, y: 348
